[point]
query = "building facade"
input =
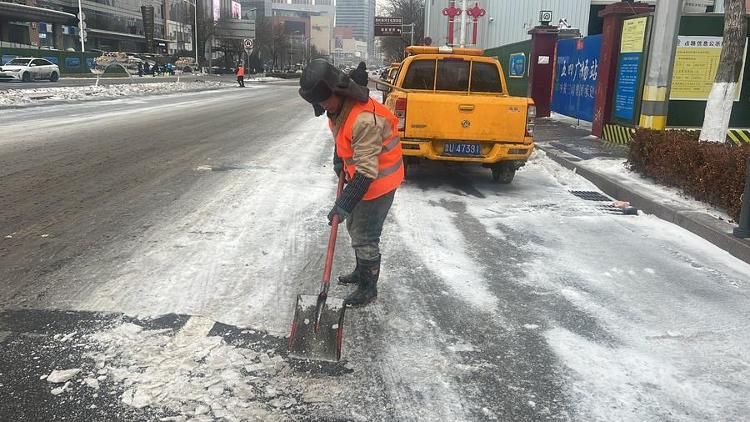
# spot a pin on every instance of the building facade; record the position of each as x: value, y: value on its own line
x: 359, y: 15
x: 506, y: 22
x: 112, y: 25
x: 306, y: 24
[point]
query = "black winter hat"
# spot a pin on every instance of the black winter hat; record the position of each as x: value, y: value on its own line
x: 321, y: 79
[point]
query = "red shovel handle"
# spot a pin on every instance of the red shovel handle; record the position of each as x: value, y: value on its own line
x: 332, y: 242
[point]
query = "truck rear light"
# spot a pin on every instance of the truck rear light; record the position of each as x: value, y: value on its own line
x: 530, y: 116
x: 400, y: 112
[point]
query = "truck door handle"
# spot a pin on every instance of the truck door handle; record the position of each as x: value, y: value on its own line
x: 466, y: 107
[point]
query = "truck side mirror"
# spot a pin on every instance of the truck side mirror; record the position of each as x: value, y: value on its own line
x: 382, y: 88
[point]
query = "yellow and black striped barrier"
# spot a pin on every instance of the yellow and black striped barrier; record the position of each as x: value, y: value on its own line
x: 617, y: 134
x: 739, y: 136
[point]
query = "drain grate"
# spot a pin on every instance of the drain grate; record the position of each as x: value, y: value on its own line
x: 610, y: 209
x: 591, y: 195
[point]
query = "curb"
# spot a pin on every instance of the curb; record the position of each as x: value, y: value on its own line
x: 692, y: 221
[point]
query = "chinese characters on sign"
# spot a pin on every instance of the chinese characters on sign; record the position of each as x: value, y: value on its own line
x: 695, y: 67
x: 629, y: 69
x: 388, y: 27
x: 576, y: 74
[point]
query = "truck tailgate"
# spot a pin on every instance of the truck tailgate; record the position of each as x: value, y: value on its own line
x: 465, y: 117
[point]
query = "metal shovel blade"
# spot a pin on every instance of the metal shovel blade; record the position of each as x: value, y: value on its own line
x: 325, y: 344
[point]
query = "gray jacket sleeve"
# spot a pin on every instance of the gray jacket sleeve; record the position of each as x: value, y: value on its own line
x: 367, y: 143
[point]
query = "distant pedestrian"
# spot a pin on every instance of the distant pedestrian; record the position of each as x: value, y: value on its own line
x: 146, y: 68
x: 140, y: 69
x: 240, y: 72
x: 359, y: 75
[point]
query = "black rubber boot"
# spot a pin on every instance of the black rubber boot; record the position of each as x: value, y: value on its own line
x: 353, y: 277
x: 367, y: 290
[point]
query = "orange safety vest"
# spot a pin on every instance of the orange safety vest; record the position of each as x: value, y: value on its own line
x: 390, y: 163
x: 240, y: 71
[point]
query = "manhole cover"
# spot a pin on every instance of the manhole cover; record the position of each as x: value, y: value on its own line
x: 591, y: 195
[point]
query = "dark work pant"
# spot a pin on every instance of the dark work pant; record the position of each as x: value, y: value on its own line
x: 241, y: 80
x: 366, y: 224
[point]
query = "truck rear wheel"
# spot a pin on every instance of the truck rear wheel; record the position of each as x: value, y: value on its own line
x: 503, y: 173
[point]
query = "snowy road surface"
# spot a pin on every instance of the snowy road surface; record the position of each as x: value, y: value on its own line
x: 157, y: 245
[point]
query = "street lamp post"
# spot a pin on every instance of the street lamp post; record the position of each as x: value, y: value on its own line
x: 194, y: 3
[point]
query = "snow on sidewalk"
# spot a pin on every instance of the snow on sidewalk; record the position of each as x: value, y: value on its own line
x: 25, y: 97
x: 617, y: 170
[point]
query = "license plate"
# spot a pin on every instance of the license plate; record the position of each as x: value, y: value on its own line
x: 462, y: 148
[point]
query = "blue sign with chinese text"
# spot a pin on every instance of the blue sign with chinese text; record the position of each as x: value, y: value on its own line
x: 517, y: 68
x: 577, y: 72
x: 628, y: 82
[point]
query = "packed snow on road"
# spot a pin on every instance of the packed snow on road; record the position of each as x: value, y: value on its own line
x: 496, y: 302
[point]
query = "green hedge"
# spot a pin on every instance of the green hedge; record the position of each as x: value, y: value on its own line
x: 708, y: 171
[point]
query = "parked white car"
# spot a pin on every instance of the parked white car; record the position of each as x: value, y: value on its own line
x: 27, y: 69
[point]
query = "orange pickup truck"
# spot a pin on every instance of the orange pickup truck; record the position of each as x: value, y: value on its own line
x: 453, y: 106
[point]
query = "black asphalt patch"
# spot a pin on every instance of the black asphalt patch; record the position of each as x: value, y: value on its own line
x: 41, y: 341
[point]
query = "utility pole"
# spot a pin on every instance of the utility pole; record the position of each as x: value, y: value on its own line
x: 195, y: 31
x: 666, y: 27
x: 462, y: 37
x: 81, y: 26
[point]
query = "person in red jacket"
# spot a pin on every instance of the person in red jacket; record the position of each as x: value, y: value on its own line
x: 240, y: 72
x: 368, y: 152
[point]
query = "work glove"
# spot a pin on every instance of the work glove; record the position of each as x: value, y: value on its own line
x: 338, y: 164
x: 343, y: 215
x: 353, y: 193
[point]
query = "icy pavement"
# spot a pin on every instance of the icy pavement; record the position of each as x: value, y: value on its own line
x: 54, y: 95
x: 518, y: 302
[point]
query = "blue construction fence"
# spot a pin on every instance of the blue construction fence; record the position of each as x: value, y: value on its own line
x: 577, y: 71
x: 70, y: 62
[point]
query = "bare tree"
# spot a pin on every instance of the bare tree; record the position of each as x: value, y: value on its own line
x: 206, y: 31
x: 724, y: 91
x: 412, y: 11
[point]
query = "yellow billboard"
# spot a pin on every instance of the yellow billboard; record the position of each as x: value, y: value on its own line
x: 633, y: 35
x: 695, y: 67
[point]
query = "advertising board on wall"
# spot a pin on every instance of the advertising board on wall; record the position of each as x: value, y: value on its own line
x: 236, y: 10
x: 576, y: 76
x: 630, y: 69
x: 517, y: 65
x: 695, y: 66
x: 216, y: 10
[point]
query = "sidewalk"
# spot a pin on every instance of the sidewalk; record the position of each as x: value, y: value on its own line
x: 604, y: 165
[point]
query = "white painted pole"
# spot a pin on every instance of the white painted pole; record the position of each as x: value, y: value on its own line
x: 462, y: 37
x: 80, y: 24
x: 427, y: 5
x: 195, y: 30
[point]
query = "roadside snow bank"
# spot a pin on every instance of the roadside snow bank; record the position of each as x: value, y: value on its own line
x: 22, y: 97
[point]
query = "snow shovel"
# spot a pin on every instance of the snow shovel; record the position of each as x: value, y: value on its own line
x: 318, y: 324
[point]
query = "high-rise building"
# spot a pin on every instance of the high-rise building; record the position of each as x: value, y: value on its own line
x: 360, y: 16
x: 111, y: 25
x: 307, y: 24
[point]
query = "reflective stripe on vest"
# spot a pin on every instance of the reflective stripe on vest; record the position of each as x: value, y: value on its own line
x: 390, y: 164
